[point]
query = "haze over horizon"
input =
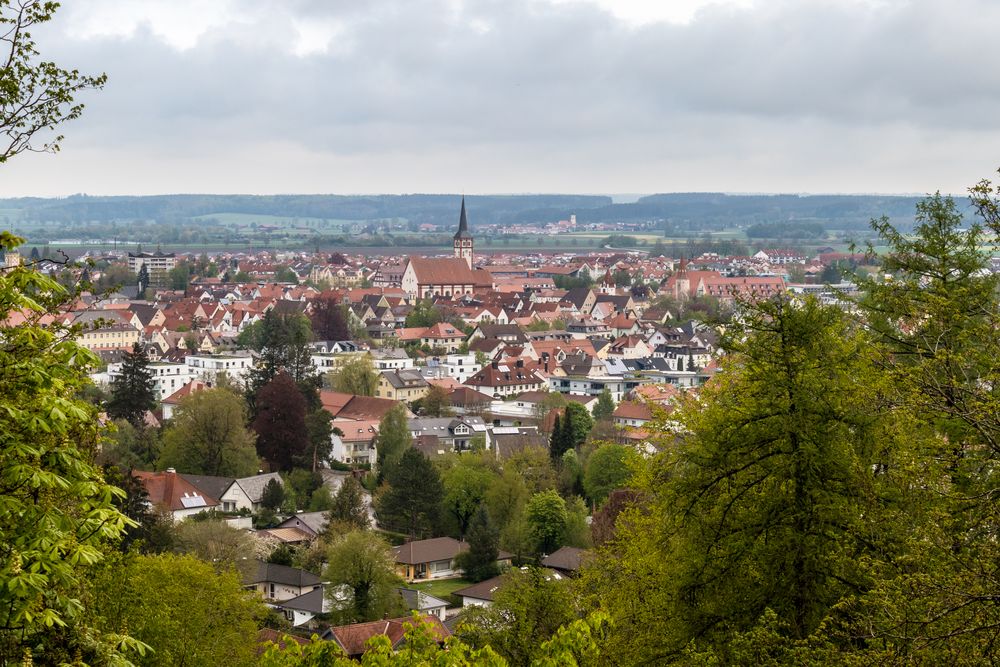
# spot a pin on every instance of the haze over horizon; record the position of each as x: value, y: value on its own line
x: 539, y: 96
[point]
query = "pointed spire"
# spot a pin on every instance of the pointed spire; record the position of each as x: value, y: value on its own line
x: 463, y: 223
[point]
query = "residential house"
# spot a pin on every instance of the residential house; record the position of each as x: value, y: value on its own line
x: 565, y: 560
x: 172, y: 493
x: 433, y: 559
x: 280, y: 582
x: 423, y: 603
x: 402, y: 385
x: 453, y: 434
x: 353, y: 639
x: 500, y: 380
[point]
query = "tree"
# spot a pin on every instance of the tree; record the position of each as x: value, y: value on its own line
x: 412, y: 501
x: 581, y: 421
x: 132, y: 392
x: 215, y: 541
x: 328, y: 319
x: 546, y: 516
x: 392, y: 441
x: 131, y: 447
x: 362, y: 578
x: 274, y: 495
x: 318, y: 424
x: 349, y: 504
x: 605, y: 407
x: 280, y: 424
x: 183, y: 609
x: 480, y: 561
x: 436, y: 403
x: 179, y: 276
x: 35, y: 96
x: 528, y: 608
x: 355, y: 376
x: 283, y: 341
x: 609, y: 467
x: 208, y: 436
x: 57, y: 512
x: 558, y: 440
x: 465, y: 487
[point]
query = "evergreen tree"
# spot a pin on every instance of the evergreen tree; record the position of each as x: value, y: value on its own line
x: 560, y: 440
x: 580, y: 425
x: 34, y: 254
x: 480, y: 561
x: 274, y: 495
x: 132, y: 392
x: 413, y: 498
x: 605, y: 407
x: 282, y: 434
x: 283, y: 342
x: 349, y: 504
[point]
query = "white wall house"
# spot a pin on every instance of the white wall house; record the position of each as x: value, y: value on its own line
x: 206, y: 367
x: 167, y: 377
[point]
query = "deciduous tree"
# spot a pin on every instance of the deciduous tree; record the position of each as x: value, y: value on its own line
x: 392, y: 441
x: 362, y: 577
x: 355, y: 376
x: 280, y: 424
x: 208, y: 436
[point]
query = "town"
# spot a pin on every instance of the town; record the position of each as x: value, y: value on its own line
x: 468, y: 415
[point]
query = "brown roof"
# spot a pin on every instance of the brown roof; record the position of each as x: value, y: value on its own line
x: 352, y: 638
x: 367, y: 408
x: 172, y: 491
x: 443, y: 271
x: 334, y: 401
x: 425, y: 551
x: 566, y: 559
x: 631, y: 410
x: 484, y: 590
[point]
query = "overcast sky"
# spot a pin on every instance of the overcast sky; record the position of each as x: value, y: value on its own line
x: 505, y: 96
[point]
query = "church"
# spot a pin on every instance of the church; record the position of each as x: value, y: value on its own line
x: 424, y: 278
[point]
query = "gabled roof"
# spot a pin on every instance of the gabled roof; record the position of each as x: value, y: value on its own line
x: 211, y: 485
x: 567, y: 559
x: 254, y: 486
x: 484, y: 590
x: 311, y: 602
x: 420, y: 601
x: 170, y: 490
x: 425, y: 551
x: 353, y: 638
x: 443, y: 271
x: 282, y: 574
x: 311, y: 521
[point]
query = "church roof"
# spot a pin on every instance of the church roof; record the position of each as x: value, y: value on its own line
x: 463, y: 224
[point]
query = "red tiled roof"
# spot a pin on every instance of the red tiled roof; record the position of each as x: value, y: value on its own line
x: 352, y: 638
x: 631, y: 410
x: 170, y: 490
x: 443, y: 271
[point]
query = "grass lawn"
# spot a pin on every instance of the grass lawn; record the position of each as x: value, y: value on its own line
x: 443, y: 588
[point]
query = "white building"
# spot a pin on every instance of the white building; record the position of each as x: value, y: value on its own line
x: 458, y: 366
x: 206, y: 367
x: 168, y: 377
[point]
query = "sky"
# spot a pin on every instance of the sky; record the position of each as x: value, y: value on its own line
x: 519, y: 96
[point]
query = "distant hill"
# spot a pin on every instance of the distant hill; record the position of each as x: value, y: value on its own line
x: 679, y: 212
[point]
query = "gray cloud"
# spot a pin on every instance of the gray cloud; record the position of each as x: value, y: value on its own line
x: 519, y: 95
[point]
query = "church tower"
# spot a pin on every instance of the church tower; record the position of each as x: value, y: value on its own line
x: 463, y: 239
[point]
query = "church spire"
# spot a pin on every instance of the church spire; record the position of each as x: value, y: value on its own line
x: 463, y: 238
x: 463, y: 224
